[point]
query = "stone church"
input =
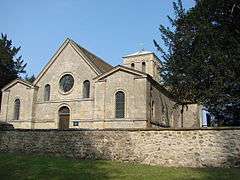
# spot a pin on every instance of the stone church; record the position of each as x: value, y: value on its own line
x: 77, y: 89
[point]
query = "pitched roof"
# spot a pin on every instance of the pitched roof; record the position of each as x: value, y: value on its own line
x: 18, y: 80
x: 123, y: 68
x: 100, y: 64
x: 161, y: 88
x: 95, y: 62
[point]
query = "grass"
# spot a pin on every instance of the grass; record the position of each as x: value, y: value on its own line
x: 42, y: 167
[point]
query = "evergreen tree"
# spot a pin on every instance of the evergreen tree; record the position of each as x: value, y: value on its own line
x: 10, y: 65
x: 203, y: 58
x: 30, y: 79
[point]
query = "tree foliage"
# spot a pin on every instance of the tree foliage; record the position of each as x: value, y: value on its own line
x: 30, y: 79
x: 11, y: 65
x: 202, y: 62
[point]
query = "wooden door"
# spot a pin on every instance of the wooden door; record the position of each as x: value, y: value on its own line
x: 64, y: 117
x: 64, y: 122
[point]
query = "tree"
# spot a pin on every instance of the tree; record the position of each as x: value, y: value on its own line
x: 202, y: 62
x: 11, y: 65
x: 30, y: 78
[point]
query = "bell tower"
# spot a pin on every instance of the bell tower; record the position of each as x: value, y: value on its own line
x: 144, y: 61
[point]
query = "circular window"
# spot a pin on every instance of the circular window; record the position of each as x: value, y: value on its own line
x: 66, y: 83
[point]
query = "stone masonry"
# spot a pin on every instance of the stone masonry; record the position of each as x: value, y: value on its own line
x: 146, y: 102
x: 165, y: 147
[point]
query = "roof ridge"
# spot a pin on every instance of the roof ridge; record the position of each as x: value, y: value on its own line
x: 97, y: 61
x: 133, y: 69
x: 18, y: 79
x: 92, y: 54
x: 124, y: 68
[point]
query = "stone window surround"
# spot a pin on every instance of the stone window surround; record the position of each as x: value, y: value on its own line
x: 133, y: 65
x: 83, y: 87
x: 125, y: 104
x: 14, y: 109
x: 45, y: 92
x: 60, y: 77
x: 143, y: 66
x: 66, y: 93
x: 61, y: 110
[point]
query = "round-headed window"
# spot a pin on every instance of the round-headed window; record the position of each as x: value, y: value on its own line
x: 66, y: 82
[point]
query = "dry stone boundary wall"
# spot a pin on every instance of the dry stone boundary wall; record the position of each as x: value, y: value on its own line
x: 165, y: 147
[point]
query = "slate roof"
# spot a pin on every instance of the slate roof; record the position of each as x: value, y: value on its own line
x: 100, y: 64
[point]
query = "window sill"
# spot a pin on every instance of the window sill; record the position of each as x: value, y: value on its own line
x: 64, y: 101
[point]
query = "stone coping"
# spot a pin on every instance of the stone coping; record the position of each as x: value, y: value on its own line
x: 132, y: 129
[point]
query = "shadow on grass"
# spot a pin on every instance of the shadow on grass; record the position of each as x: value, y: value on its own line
x: 43, y: 167
x: 88, y: 145
x: 40, y: 155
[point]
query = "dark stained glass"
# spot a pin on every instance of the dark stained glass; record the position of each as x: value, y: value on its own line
x: 16, y: 109
x: 64, y: 110
x: 47, y: 93
x: 120, y: 104
x: 143, y: 67
x: 86, y: 89
x: 66, y: 83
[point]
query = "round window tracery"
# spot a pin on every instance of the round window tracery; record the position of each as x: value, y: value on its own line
x: 66, y: 83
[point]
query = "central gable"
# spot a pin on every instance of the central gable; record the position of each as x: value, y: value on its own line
x: 67, y: 57
x: 68, y: 61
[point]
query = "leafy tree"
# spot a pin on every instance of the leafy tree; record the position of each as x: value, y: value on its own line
x: 202, y: 62
x: 11, y: 65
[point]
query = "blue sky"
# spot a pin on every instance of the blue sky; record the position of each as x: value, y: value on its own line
x: 108, y: 28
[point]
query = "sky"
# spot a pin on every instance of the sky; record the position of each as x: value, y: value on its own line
x: 108, y: 28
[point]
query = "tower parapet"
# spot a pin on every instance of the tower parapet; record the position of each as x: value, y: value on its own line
x: 144, y: 61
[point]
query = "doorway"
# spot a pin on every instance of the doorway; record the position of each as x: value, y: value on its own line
x: 64, y: 117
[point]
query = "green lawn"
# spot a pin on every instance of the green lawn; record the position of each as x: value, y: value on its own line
x: 40, y: 167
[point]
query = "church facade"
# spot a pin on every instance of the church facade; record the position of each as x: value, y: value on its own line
x: 77, y: 89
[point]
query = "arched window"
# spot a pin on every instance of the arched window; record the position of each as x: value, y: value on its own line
x: 120, y: 104
x: 143, y: 67
x: 132, y: 65
x: 16, y: 109
x: 86, y: 89
x: 153, y: 110
x: 47, y: 92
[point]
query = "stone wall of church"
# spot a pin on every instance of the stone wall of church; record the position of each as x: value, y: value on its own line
x: 4, y: 106
x: 160, y: 107
x: 98, y: 111
x: 46, y: 112
x: 165, y: 147
x: 151, y: 61
x: 191, y: 116
x: 68, y: 62
x: 162, y: 110
x: 135, y: 100
x: 25, y: 95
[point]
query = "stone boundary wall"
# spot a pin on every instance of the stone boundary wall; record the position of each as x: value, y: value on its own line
x: 166, y: 147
